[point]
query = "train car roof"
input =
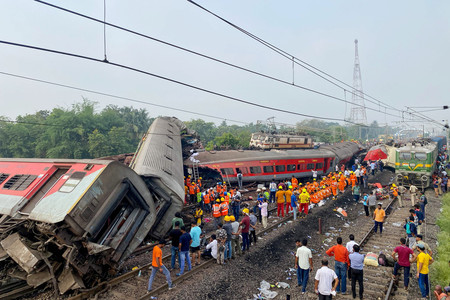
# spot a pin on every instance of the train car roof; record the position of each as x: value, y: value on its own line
x: 208, y: 157
x: 410, y: 148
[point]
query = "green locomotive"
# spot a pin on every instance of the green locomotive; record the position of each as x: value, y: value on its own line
x: 415, y: 163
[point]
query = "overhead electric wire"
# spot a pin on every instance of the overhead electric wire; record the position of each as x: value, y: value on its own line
x: 235, y: 99
x: 211, y: 58
x: 290, y: 57
x: 119, y: 97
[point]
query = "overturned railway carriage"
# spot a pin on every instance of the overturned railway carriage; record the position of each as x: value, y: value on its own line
x: 159, y: 161
x: 74, y: 219
x: 274, y: 164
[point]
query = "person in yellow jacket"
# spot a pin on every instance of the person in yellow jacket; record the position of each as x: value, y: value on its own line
x: 304, y: 203
x: 280, y: 201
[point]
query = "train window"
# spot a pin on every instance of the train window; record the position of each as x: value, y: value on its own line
x: 268, y: 169
x: 405, y: 155
x: 243, y: 170
x: 19, y: 182
x: 227, y: 171
x: 310, y: 166
x: 420, y: 156
x: 72, y: 182
x: 3, y: 177
x: 280, y: 168
x: 255, y: 170
x: 291, y: 168
x: 319, y: 166
x: 301, y: 167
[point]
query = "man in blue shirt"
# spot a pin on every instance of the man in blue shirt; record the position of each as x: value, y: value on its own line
x: 294, y: 203
x: 185, y: 242
x: 195, y: 246
x: 411, y: 231
x: 420, y: 216
x: 356, y: 267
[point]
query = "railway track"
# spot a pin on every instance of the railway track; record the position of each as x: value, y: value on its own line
x: 378, y: 281
x: 133, y: 284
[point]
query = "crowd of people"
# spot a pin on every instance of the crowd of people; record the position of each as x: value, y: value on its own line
x: 234, y: 220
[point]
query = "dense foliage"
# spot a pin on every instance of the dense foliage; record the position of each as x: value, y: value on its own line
x: 78, y: 132
x: 440, y: 270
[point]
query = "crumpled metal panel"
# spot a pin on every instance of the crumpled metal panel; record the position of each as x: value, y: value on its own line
x: 26, y: 257
x: 161, y: 154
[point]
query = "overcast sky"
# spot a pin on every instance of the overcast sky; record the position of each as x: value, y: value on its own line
x: 403, y: 48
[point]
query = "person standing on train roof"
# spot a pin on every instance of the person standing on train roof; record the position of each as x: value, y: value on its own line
x: 273, y: 191
x: 280, y: 201
x: 287, y: 196
x: 157, y: 265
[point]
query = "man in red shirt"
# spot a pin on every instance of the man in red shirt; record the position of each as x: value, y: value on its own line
x: 341, y: 262
x: 245, y: 228
x: 157, y: 265
x: 402, y: 261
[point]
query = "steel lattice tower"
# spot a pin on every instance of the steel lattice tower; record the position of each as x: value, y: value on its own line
x: 358, y: 110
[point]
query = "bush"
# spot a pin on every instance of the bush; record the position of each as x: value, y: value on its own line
x: 440, y: 269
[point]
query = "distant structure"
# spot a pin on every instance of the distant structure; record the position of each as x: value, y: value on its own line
x: 358, y: 109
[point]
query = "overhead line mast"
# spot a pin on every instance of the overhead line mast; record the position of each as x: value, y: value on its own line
x: 358, y: 110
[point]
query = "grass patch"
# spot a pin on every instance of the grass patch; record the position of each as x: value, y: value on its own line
x: 440, y: 269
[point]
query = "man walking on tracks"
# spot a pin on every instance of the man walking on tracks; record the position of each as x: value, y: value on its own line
x: 324, y: 286
x: 372, y: 199
x: 303, y: 264
x: 379, y: 215
x: 356, y: 265
x: 157, y: 265
x: 402, y: 261
x: 341, y: 262
x: 413, y: 190
x: 423, y: 261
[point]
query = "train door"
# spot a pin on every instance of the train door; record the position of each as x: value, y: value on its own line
x: 326, y: 164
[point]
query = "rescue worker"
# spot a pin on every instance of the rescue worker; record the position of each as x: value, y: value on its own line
x: 280, y: 201
x: 192, y: 193
x: 304, y: 203
x: 223, y: 208
x: 216, y: 213
x: 287, y: 196
x: 294, y: 182
x: 198, y: 215
x: 199, y: 182
x: 207, y: 201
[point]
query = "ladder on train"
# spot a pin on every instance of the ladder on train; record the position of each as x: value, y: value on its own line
x: 195, y: 172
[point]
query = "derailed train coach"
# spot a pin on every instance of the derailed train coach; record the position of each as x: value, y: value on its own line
x: 260, y: 166
x: 71, y: 223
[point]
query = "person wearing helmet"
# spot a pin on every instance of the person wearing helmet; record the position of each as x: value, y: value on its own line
x: 223, y: 208
x: 245, y: 229
x: 216, y: 213
x: 280, y: 201
x: 304, y: 203
x: 287, y: 196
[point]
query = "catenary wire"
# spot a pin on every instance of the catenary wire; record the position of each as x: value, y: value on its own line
x: 215, y: 59
x: 119, y: 97
x: 290, y: 56
x: 235, y: 99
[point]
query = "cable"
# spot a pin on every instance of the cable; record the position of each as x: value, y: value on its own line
x: 119, y: 97
x: 290, y: 56
x: 210, y: 57
x: 235, y: 99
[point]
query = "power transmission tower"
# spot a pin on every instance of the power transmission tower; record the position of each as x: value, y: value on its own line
x: 358, y: 109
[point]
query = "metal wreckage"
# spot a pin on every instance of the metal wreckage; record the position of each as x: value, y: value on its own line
x: 72, y: 223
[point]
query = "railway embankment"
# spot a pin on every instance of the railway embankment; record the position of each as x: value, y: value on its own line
x: 440, y: 270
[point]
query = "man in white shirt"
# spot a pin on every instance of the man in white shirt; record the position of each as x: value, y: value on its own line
x: 314, y: 174
x: 350, y: 244
x: 303, y: 264
x: 413, y: 190
x: 324, y: 286
x: 211, y: 248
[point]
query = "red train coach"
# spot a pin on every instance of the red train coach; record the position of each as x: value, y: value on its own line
x: 275, y: 164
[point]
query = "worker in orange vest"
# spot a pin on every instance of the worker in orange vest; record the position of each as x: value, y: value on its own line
x: 188, y: 180
x: 207, y: 200
x: 199, y: 182
x: 294, y: 182
x: 216, y: 213
x: 223, y: 208
x: 192, y: 193
x: 341, y: 185
x: 353, y: 179
x: 288, y: 195
x: 280, y: 201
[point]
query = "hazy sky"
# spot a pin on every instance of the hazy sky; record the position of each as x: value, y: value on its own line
x: 403, y: 48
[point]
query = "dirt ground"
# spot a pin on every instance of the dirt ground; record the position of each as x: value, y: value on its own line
x: 273, y: 255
